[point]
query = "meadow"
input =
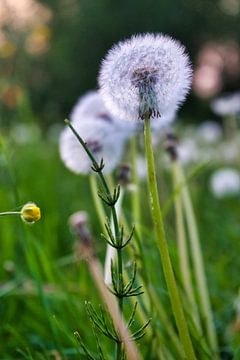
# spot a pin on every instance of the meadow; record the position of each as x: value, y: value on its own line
x: 119, y: 203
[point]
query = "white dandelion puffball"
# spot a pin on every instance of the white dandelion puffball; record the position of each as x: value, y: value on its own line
x: 105, y: 140
x: 209, y: 132
x: 188, y: 151
x: 146, y: 75
x: 91, y: 105
x: 227, y: 105
x: 225, y: 182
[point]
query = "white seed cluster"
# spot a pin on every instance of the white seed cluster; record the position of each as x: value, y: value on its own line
x: 145, y: 75
x: 228, y: 104
x: 105, y: 136
x: 225, y: 182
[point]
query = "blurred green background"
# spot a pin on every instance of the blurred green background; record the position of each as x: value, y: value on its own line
x: 51, y: 52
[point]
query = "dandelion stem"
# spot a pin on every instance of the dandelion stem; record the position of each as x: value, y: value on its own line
x: 136, y: 206
x: 162, y: 245
x: 198, y: 264
x: 183, y: 250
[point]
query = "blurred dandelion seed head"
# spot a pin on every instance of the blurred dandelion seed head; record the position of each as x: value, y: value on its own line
x: 225, y: 182
x: 209, y: 132
x: 228, y: 104
x: 104, y: 134
x: 91, y: 105
x: 145, y: 75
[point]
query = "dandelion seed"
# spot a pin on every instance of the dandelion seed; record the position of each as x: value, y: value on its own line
x: 30, y: 213
x: 228, y: 104
x: 147, y: 75
x: 225, y: 182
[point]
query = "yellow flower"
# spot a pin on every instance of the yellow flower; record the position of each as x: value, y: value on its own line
x: 30, y: 213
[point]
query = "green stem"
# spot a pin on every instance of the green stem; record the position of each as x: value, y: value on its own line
x: 162, y: 244
x: 10, y: 213
x: 198, y: 265
x: 136, y: 206
x: 183, y: 250
x: 115, y: 222
x: 97, y: 203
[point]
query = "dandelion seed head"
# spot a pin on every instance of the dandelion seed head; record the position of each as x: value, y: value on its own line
x: 228, y: 104
x: 225, y: 182
x: 209, y: 132
x: 146, y: 75
x: 105, y: 140
x: 91, y: 105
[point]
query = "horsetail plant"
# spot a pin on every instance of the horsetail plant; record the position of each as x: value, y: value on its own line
x: 116, y: 239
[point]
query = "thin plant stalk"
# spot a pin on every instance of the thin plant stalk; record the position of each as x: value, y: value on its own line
x: 96, y: 272
x: 183, y: 251
x: 151, y: 293
x: 10, y: 213
x: 198, y: 265
x: 163, y: 316
x: 97, y: 203
x: 163, y: 248
x: 102, y: 217
x: 136, y: 206
x: 111, y: 252
x: 98, y: 168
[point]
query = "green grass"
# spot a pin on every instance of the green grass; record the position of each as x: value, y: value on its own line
x: 43, y: 288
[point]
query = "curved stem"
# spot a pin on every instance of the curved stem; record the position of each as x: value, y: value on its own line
x: 163, y: 248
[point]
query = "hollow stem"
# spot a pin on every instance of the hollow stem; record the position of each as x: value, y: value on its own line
x: 136, y: 206
x: 183, y: 255
x: 198, y: 266
x: 163, y: 248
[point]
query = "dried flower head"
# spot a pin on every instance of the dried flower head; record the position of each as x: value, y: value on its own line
x: 146, y: 75
x: 225, y: 182
x: 228, y: 104
x: 30, y: 213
